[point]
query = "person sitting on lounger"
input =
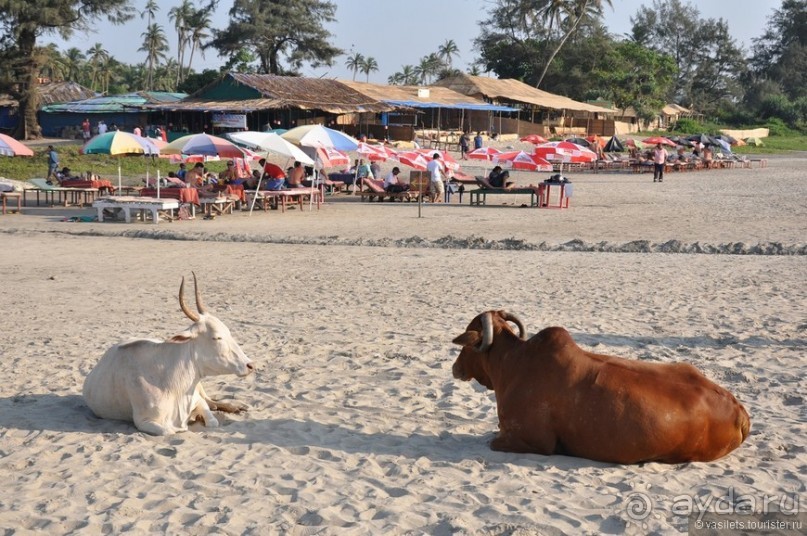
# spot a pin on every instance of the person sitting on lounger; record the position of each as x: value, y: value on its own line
x: 498, y: 178
x: 392, y: 185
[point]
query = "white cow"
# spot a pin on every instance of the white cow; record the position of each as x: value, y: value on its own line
x: 157, y: 384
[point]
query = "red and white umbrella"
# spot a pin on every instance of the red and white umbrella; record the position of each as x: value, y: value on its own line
x: 448, y: 161
x: 412, y: 159
x: 332, y: 157
x: 522, y: 161
x: 374, y: 153
x: 565, y: 152
x: 483, y: 153
x: 535, y: 139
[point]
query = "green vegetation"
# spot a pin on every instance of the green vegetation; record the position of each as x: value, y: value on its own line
x: 133, y: 168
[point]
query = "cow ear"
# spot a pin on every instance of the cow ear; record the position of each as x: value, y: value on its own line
x: 469, y: 338
x: 180, y: 338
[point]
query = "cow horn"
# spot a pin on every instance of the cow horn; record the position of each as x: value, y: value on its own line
x: 510, y: 317
x: 487, y: 333
x: 190, y: 314
x: 199, y: 305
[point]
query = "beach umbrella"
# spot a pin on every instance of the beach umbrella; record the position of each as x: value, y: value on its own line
x: 679, y: 140
x: 483, y: 153
x: 635, y: 144
x: 534, y: 139
x: 119, y: 143
x: 271, y: 143
x: 613, y: 145
x: 655, y: 140
x: 448, y: 161
x: 332, y: 157
x: 579, y: 141
x: 564, y: 152
x: 723, y: 144
x: 11, y: 147
x: 320, y: 136
x: 412, y: 159
x: 375, y: 153
x: 204, y: 145
x: 520, y: 160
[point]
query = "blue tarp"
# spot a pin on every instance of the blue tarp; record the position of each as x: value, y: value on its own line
x: 457, y: 106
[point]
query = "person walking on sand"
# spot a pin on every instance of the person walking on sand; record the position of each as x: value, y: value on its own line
x: 464, y: 143
x: 53, y: 163
x: 659, y: 159
x: 436, y: 188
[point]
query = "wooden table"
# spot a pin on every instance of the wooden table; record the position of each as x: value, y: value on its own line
x: 5, y: 196
x: 216, y: 206
x: 128, y: 204
x: 282, y: 198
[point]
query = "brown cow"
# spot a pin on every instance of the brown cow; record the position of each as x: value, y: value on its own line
x: 553, y: 397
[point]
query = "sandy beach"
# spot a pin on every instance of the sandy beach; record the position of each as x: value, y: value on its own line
x: 356, y: 425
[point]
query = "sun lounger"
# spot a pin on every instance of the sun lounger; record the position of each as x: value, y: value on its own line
x: 375, y: 188
x: 479, y: 196
x: 66, y: 196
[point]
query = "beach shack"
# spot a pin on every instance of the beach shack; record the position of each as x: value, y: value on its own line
x: 540, y: 112
x: 239, y: 101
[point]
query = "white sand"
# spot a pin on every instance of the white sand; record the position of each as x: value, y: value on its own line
x: 356, y: 425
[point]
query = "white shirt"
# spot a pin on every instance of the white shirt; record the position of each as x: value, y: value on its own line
x: 391, y: 179
x: 101, y: 128
x: 435, y: 171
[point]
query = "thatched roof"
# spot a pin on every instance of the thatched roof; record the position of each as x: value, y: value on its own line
x: 417, y: 97
x: 510, y: 90
x: 249, y: 92
x: 675, y: 109
x: 53, y: 93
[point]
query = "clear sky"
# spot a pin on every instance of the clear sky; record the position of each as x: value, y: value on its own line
x: 399, y: 32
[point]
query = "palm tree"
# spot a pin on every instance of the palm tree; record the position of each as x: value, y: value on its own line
x: 97, y: 57
x: 354, y: 63
x: 74, y: 64
x: 155, y: 46
x: 428, y: 67
x: 150, y: 10
x: 181, y: 16
x: 51, y: 63
x: 570, y: 13
x: 369, y: 65
x: 409, y: 75
x: 200, y: 24
x: 447, y: 51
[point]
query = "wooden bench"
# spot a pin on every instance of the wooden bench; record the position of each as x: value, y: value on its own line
x: 5, y: 196
x: 266, y: 199
x: 143, y: 204
x: 479, y: 196
x: 216, y: 206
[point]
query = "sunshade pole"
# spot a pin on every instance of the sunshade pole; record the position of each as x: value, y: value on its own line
x: 158, y: 183
x: 120, y: 186
x: 258, y: 187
